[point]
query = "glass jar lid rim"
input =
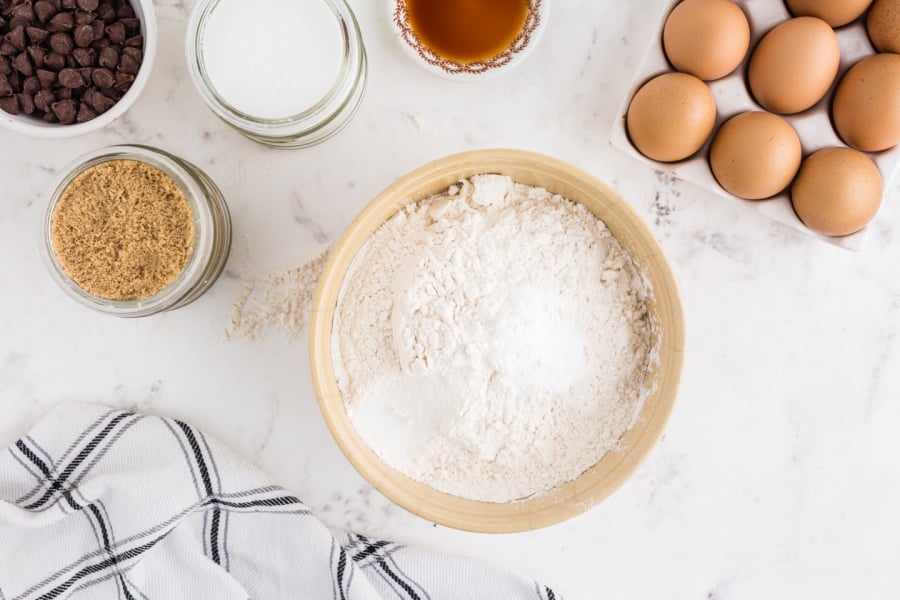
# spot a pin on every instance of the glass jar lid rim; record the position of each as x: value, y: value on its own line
x: 346, y: 24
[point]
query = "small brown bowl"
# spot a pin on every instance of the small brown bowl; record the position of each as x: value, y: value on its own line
x: 596, y: 483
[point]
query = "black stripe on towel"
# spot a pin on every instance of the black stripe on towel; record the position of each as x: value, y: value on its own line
x: 57, y: 484
x: 411, y: 593
x: 341, y: 567
x: 89, y: 570
x: 207, y: 486
x: 369, y: 551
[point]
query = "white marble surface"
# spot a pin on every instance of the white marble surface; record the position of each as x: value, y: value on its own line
x: 778, y: 475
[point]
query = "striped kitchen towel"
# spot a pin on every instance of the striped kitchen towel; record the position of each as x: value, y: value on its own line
x: 98, y: 503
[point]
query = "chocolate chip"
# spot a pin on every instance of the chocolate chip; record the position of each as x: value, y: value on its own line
x: 84, y: 35
x: 135, y: 42
x: 68, y: 4
x: 100, y: 102
x: 36, y: 34
x: 70, y: 78
x: 43, y: 99
x: 6, y: 66
x: 128, y: 64
x: 49, y: 117
x: 37, y: 55
x: 86, y: 57
x: 89, y: 5
x: 100, y: 44
x: 98, y: 28
x: 63, y: 94
x: 63, y: 21
x: 54, y: 61
x: 65, y: 111
x: 6, y: 89
x: 47, y: 79
x: 31, y: 86
x: 106, y: 13
x: 18, y: 22
x: 132, y: 26
x: 109, y: 57
x: 124, y: 82
x: 15, y: 80
x: 134, y: 53
x: 10, y: 104
x: 16, y: 37
x: 88, y: 96
x: 86, y: 75
x: 23, y: 65
x: 104, y: 78
x: 26, y: 102
x: 62, y: 43
x: 111, y: 93
x: 85, y: 113
x: 23, y: 11
x: 116, y: 32
x: 124, y: 10
x: 82, y: 17
x: 44, y: 10
x: 8, y: 49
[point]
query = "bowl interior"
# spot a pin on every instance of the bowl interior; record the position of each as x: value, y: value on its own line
x: 34, y: 127
x: 607, y: 475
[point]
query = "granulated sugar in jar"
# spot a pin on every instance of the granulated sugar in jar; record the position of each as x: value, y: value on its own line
x: 287, y: 73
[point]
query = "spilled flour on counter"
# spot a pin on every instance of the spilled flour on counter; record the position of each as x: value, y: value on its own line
x: 282, y: 299
x: 493, y: 341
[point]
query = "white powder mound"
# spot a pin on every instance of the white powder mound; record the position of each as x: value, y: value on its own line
x: 280, y: 300
x: 492, y: 342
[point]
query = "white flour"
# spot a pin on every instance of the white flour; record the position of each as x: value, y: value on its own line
x: 492, y: 342
x: 281, y: 300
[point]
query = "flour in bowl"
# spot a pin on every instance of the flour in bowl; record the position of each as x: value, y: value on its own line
x: 492, y: 341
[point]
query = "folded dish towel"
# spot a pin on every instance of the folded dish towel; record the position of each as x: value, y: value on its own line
x: 98, y: 503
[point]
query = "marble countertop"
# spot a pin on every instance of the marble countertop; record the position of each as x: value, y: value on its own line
x: 777, y: 475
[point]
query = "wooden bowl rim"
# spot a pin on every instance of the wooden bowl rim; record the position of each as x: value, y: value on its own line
x: 615, y: 467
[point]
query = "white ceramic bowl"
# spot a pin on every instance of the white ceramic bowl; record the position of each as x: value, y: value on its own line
x: 535, y: 24
x: 37, y: 128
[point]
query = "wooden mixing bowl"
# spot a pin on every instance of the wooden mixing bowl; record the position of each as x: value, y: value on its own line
x: 603, y: 478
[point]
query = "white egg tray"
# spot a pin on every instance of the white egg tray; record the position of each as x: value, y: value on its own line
x: 733, y: 96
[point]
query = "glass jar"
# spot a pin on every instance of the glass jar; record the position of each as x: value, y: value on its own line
x: 312, y: 126
x: 212, y: 232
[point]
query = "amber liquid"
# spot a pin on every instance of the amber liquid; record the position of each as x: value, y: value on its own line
x: 467, y: 31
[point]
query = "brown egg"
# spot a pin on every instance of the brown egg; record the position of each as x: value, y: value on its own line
x: 837, y: 191
x: 671, y: 117
x: 706, y: 38
x: 755, y: 155
x: 866, y: 106
x: 883, y: 24
x: 794, y: 65
x: 834, y: 12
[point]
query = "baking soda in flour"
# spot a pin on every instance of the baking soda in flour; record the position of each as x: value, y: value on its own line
x: 492, y: 341
x: 272, y: 59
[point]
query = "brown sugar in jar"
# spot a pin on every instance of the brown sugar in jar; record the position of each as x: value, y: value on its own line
x: 133, y: 231
x: 123, y: 230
